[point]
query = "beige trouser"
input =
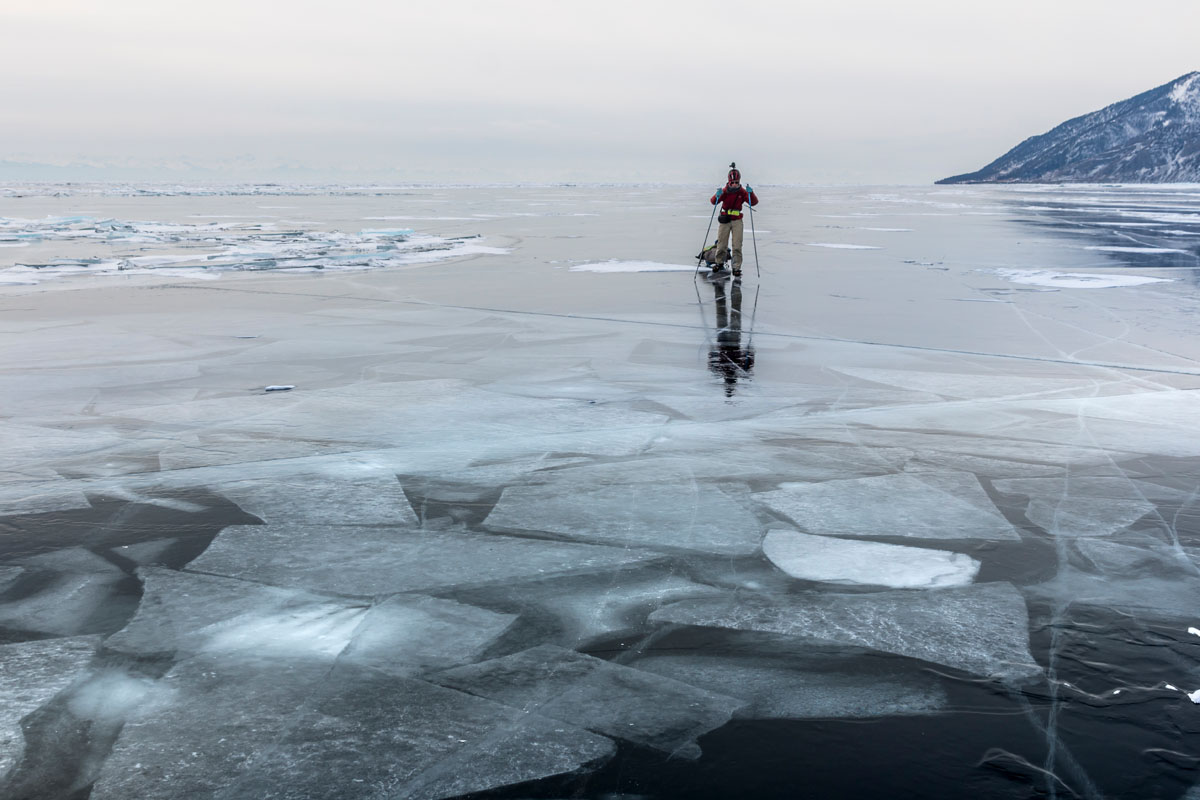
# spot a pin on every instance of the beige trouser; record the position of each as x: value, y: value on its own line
x: 725, y: 231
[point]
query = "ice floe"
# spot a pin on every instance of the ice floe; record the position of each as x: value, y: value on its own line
x: 204, y: 734
x: 664, y: 515
x: 779, y: 681
x: 598, y: 695
x: 1085, y: 506
x: 30, y: 674
x: 581, y: 609
x: 982, y: 628
x: 315, y: 498
x: 824, y: 558
x: 378, y: 561
x: 921, y: 505
x: 64, y: 593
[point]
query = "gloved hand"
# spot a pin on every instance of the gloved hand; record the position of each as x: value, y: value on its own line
x: 749, y: 189
x: 720, y: 192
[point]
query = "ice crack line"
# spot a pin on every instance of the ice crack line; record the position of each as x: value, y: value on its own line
x: 684, y: 326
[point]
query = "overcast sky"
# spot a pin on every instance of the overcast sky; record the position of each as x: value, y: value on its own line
x: 855, y: 91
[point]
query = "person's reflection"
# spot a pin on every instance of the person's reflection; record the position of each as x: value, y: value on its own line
x: 729, y: 360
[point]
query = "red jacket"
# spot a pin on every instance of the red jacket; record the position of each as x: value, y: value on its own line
x: 732, y: 200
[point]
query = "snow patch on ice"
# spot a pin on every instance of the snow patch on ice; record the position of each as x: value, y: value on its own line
x: 1075, y: 280
x: 841, y: 246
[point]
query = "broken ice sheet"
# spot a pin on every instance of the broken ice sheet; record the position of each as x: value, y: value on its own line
x: 660, y: 515
x: 186, y: 613
x: 409, y: 634
x: 376, y: 561
x: 596, y: 694
x: 824, y: 558
x: 39, y: 499
x: 925, y: 505
x: 1159, y: 592
x: 585, y: 608
x: 30, y: 674
x: 314, y: 499
x: 792, y: 686
x: 63, y: 592
x: 1087, y: 506
x: 982, y: 628
x: 300, y: 731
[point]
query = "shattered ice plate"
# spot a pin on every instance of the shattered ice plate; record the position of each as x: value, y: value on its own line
x: 315, y: 499
x: 603, y: 697
x: 30, y: 674
x: 332, y: 733
x: 982, y: 628
x: 669, y: 516
x: 378, y: 561
x: 824, y: 558
x: 925, y: 505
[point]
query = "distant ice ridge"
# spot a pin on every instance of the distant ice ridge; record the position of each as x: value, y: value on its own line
x: 1078, y: 280
x: 220, y: 246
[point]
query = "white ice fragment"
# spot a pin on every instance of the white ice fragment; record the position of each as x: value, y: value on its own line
x: 823, y: 558
x: 1194, y: 631
x: 280, y: 387
x: 1194, y: 696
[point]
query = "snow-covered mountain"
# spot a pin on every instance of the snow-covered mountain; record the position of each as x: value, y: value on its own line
x: 1151, y: 138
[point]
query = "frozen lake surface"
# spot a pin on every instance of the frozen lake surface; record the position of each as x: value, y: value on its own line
x: 530, y: 511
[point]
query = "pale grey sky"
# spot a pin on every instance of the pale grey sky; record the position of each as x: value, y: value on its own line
x: 858, y: 91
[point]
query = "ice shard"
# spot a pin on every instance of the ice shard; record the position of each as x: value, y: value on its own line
x: 30, y: 674
x: 982, y: 628
x: 299, y: 729
x: 1087, y: 506
x: 926, y: 505
x: 186, y: 613
x: 825, y: 558
x: 802, y: 688
x: 64, y: 592
x: 666, y: 516
x: 579, y: 609
x: 411, y: 634
x: 601, y: 696
x: 377, y: 561
x: 317, y: 499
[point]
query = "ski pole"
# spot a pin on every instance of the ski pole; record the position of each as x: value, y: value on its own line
x: 700, y: 257
x: 754, y: 241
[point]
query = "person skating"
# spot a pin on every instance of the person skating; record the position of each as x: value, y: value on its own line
x: 729, y: 233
